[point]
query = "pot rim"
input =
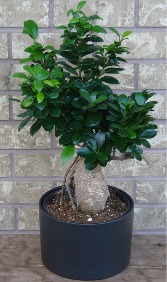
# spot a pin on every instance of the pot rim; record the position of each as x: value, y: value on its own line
x: 120, y: 191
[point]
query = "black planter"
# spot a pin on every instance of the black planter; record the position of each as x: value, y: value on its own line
x: 85, y: 251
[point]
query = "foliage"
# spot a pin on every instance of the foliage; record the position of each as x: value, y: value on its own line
x: 72, y: 95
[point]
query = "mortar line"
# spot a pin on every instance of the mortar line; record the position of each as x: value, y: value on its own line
x: 134, y: 186
x: 12, y: 169
x: 136, y: 14
x: 160, y: 232
x: 150, y: 205
x: 9, y: 43
x: 51, y: 14
x: 58, y: 150
x: 60, y: 178
x: 136, y: 76
x: 16, y: 219
x: 53, y: 30
x: 129, y: 61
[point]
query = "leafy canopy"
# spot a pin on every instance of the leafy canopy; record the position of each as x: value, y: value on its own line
x: 73, y: 96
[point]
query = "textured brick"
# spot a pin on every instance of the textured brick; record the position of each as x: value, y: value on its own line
x: 152, y: 12
x: 160, y: 140
x: 151, y: 165
x: 3, y: 46
x: 6, y: 80
x: 160, y: 108
x: 152, y: 76
x: 150, y: 218
x: 126, y: 78
x: 28, y: 219
x: 151, y: 192
x: 114, y: 13
x: 22, y: 10
x: 23, y: 139
x: 4, y: 165
x: 144, y: 45
x: 23, y: 191
x: 124, y: 185
x: 4, y: 107
x: 39, y: 165
x: 22, y: 41
x: 6, y: 219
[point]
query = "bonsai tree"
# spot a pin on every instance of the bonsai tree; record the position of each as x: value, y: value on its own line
x: 69, y: 91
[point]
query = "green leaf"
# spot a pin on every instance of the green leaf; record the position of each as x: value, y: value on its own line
x: 136, y: 155
x: 74, y: 20
x: 110, y: 79
x: 35, y: 127
x: 60, y: 123
x: 26, y: 114
x: 91, y: 165
x: 114, y: 30
x: 53, y: 95
x: 85, y: 95
x: 79, y: 84
x: 148, y: 134
x: 131, y: 134
x: 126, y: 33
x: 40, y: 97
x: 31, y: 28
x: 94, y: 17
x: 25, y: 60
x: 102, y: 156
x: 55, y: 112
x: 43, y: 74
x: 100, y: 139
x: 48, y: 124
x: 139, y: 98
x: 19, y: 75
x: 145, y: 143
x: 67, y: 153
x: 76, y: 137
x: 84, y: 152
x: 65, y: 138
x: 77, y: 124
x: 116, y: 125
x: 38, y: 85
x: 61, y: 27
x: 98, y: 28
x: 68, y: 68
x: 80, y: 5
x: 48, y: 82
x: 71, y: 11
x: 93, y: 119
x: 27, y: 102
x: 23, y: 123
x: 29, y: 69
x: 123, y: 99
x: 41, y: 105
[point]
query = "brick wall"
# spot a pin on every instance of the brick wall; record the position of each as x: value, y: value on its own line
x: 31, y: 165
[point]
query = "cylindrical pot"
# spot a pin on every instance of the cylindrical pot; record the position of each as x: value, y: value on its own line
x: 85, y: 251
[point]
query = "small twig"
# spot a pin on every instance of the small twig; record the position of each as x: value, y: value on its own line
x: 65, y: 178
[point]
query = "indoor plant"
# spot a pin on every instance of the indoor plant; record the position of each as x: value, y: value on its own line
x: 72, y: 96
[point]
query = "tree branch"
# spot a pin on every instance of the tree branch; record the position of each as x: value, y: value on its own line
x: 64, y: 182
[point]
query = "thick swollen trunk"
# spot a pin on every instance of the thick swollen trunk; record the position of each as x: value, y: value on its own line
x: 91, y: 191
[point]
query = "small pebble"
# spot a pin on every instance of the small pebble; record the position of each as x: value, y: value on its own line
x: 89, y: 219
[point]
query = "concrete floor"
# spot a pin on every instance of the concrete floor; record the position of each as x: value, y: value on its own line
x: 20, y: 261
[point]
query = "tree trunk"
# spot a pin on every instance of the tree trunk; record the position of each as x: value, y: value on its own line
x: 91, y: 191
